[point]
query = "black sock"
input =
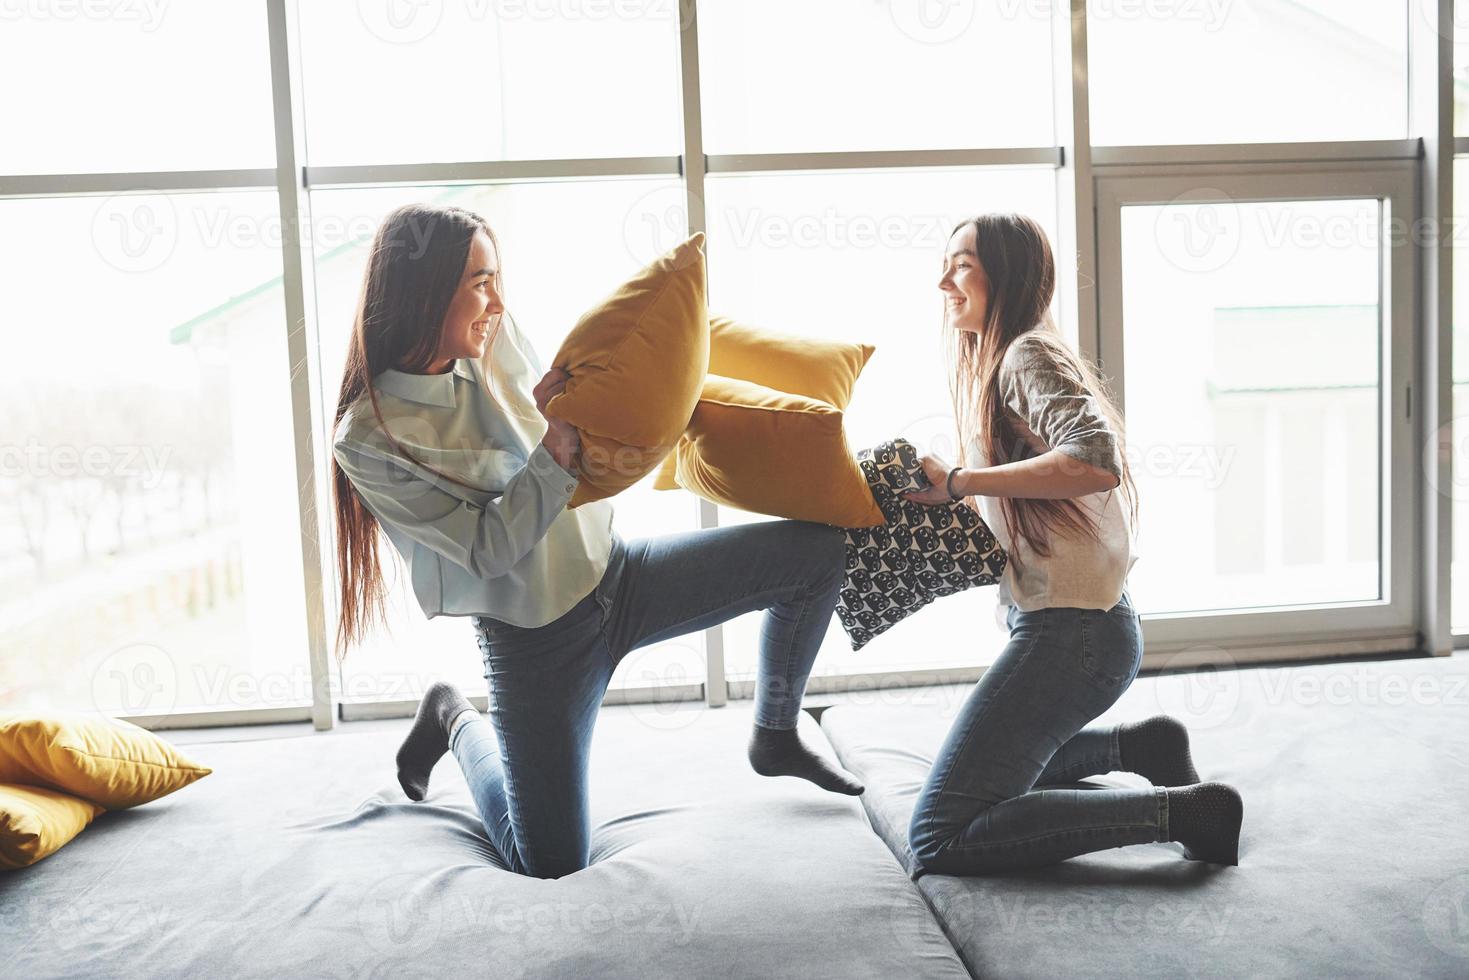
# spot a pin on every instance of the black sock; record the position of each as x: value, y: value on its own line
x: 780, y: 752
x: 1206, y: 820
x: 428, y: 739
x: 1156, y: 748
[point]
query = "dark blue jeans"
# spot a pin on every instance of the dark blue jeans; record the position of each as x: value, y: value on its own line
x: 985, y: 806
x: 527, y: 765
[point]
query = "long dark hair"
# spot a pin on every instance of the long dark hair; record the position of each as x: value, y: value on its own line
x: 414, y: 267
x: 1017, y: 261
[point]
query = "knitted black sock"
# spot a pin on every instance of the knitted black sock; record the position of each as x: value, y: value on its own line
x: 428, y: 739
x: 1206, y: 819
x: 1156, y: 748
x: 780, y: 752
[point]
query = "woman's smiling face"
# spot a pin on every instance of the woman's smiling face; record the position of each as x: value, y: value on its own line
x: 965, y: 287
x: 476, y: 307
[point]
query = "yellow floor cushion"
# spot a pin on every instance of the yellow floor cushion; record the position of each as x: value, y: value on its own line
x: 108, y: 761
x: 36, y: 822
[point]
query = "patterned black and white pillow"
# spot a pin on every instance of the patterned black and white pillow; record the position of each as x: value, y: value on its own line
x: 919, y: 553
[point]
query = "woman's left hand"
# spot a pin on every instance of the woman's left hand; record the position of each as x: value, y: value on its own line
x: 937, y: 471
x: 550, y: 385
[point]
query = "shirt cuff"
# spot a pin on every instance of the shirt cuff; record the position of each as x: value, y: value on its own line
x: 552, y: 473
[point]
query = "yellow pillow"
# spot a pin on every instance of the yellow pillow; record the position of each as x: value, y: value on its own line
x: 773, y: 453
x: 636, y: 363
x: 108, y: 761
x: 36, y: 822
x: 825, y: 370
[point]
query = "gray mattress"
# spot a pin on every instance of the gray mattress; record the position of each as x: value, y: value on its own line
x: 1354, y: 857
x: 300, y: 857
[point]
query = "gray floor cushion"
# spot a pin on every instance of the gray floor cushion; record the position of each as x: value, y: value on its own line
x: 301, y: 858
x: 1354, y: 859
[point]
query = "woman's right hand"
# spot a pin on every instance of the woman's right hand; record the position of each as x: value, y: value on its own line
x: 562, y: 439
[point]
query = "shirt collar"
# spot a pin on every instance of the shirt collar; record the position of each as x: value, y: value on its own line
x: 427, y: 389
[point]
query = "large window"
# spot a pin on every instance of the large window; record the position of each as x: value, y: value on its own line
x: 829, y: 75
x: 1253, y: 389
x: 120, y: 87
x: 1248, y: 71
x: 1256, y: 309
x: 149, y: 561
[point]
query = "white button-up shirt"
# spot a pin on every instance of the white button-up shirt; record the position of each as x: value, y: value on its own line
x: 509, y: 548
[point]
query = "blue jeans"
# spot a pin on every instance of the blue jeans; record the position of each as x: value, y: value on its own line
x: 985, y: 806
x: 527, y: 765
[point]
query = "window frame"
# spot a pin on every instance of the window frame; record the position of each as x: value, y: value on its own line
x: 1416, y: 170
x: 1294, y: 631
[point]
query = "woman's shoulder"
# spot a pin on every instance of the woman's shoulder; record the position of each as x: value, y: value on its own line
x: 1036, y: 346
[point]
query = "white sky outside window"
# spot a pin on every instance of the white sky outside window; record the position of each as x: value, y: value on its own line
x: 149, y: 540
x: 1252, y: 394
x: 145, y: 86
x: 910, y: 74
x: 1247, y: 71
x: 523, y: 80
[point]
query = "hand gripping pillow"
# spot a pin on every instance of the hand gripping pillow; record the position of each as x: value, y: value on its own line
x: 771, y: 452
x: 920, y: 553
x: 637, y: 361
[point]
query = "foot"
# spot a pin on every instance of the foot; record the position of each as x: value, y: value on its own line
x: 780, y: 752
x: 1156, y: 748
x: 1206, y: 820
x: 428, y: 739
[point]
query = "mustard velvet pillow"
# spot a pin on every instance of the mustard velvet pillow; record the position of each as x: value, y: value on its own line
x: 773, y: 453
x: 637, y: 362
x: 825, y: 370
x: 37, y: 822
x: 108, y: 761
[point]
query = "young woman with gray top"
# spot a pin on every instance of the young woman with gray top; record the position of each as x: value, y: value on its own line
x: 1043, y: 455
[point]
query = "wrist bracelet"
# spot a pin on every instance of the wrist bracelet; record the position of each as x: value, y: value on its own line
x: 949, y: 483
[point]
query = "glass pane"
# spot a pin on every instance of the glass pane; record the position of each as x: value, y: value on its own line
x: 430, y: 82
x: 146, y: 86
x: 547, y: 289
x: 1252, y: 334
x: 1459, y: 457
x: 1317, y: 70
x: 788, y: 77
x: 150, y: 554
x: 1461, y: 69
x: 858, y: 257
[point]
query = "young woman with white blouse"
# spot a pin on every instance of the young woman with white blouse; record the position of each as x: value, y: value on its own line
x: 443, y: 444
